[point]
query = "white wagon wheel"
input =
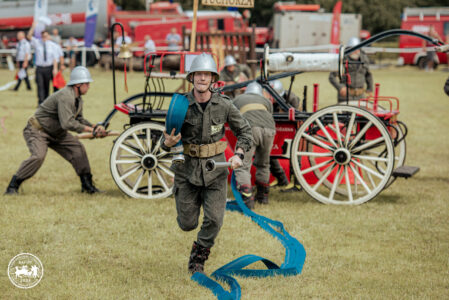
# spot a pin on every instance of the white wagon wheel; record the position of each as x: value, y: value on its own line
x: 139, y: 166
x: 400, y: 150
x: 342, y: 138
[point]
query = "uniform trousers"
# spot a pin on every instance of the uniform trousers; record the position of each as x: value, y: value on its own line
x: 189, y: 199
x: 19, y: 81
x: 39, y: 141
x: 43, y: 77
x: 261, y: 149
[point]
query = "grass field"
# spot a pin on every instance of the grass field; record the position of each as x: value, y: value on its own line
x: 110, y: 246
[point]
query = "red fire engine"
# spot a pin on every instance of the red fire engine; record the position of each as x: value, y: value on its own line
x: 419, y: 20
x: 69, y: 18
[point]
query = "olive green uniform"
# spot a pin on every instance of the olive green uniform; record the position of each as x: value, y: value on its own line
x: 233, y: 77
x: 293, y: 100
x: 259, y: 112
x: 49, y: 127
x: 194, y: 186
x: 360, y: 75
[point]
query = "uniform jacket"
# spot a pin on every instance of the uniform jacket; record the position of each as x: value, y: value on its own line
x: 206, y: 127
x: 234, y: 76
x: 360, y: 74
x: 260, y: 117
x: 60, y: 113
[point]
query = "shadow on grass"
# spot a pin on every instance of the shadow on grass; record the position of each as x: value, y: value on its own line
x: 388, y: 199
x: 434, y: 178
x: 292, y: 197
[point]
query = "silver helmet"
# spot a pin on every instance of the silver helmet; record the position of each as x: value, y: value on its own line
x: 205, y: 63
x: 278, y: 87
x: 229, y: 61
x: 79, y: 75
x: 254, y: 88
x: 354, y: 41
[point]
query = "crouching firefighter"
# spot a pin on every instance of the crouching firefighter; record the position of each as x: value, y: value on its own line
x: 258, y: 110
x: 201, y: 135
x: 48, y: 128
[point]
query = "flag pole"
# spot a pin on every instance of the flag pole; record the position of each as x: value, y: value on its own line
x: 193, y: 34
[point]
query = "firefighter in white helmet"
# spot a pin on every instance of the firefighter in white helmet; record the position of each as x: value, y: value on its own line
x: 201, y: 136
x: 49, y: 127
x: 258, y: 110
x: 234, y: 73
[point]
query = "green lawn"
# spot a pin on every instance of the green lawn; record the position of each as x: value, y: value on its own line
x: 110, y: 246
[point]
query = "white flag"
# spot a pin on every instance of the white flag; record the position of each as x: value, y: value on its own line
x: 40, y: 9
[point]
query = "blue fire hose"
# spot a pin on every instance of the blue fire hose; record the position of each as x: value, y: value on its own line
x: 295, y: 253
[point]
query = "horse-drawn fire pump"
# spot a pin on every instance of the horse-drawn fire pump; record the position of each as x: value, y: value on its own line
x: 341, y: 154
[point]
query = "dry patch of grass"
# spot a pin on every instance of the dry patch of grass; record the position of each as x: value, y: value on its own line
x: 110, y: 246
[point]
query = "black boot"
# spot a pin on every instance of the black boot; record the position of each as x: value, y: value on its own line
x: 13, y: 187
x: 247, y: 194
x: 198, y: 256
x: 263, y: 190
x: 278, y: 172
x: 87, y: 185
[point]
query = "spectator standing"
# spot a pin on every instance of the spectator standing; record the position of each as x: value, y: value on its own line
x: 119, y: 40
x: 55, y: 37
x: 72, y: 47
x: 173, y: 40
x: 46, y: 62
x: 149, y: 45
x: 23, y: 55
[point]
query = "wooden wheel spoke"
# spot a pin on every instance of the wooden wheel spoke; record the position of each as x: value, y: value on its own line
x: 139, y: 144
x: 370, y: 144
x: 336, y: 182
x: 365, y: 186
x: 316, y: 142
x: 360, y: 134
x: 127, y: 148
x: 324, y: 130
x: 129, y: 172
x: 139, y: 179
x: 315, y: 154
x: 161, y: 179
x: 337, y: 128
x: 315, y: 167
x: 349, y: 129
x: 324, y: 177
x: 367, y: 169
x: 166, y: 170
x: 371, y: 158
x: 348, y: 184
x: 148, y: 139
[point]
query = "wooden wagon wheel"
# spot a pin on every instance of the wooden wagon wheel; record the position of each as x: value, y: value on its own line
x: 139, y: 166
x: 343, y: 140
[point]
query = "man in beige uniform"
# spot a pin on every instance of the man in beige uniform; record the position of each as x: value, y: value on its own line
x: 258, y: 110
x: 49, y: 126
x: 201, y: 136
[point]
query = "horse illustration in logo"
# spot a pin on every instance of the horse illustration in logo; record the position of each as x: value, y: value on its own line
x: 24, y: 271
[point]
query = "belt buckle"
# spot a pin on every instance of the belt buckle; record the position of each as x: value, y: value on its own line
x: 194, y: 151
